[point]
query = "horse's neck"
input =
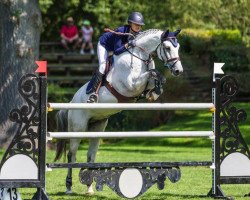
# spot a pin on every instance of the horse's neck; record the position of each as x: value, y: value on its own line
x: 150, y: 41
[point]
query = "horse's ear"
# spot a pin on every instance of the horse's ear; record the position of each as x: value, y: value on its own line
x: 177, y: 32
x: 164, y: 35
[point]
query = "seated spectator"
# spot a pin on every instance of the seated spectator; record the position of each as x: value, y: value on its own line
x: 69, y: 35
x: 87, y: 32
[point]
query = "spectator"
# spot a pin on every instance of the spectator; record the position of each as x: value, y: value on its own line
x: 87, y: 32
x: 69, y: 35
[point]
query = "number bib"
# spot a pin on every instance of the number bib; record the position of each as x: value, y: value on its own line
x: 9, y: 194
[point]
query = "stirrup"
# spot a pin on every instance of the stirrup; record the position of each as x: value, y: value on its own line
x: 93, y: 98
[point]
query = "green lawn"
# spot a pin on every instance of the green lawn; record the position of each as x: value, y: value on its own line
x: 195, y: 182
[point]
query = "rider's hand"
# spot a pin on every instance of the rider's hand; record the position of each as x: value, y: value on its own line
x: 131, y: 43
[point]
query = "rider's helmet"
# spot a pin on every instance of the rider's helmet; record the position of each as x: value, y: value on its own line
x: 136, y: 18
x: 86, y: 23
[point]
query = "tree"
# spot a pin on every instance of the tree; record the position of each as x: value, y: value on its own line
x: 20, y: 26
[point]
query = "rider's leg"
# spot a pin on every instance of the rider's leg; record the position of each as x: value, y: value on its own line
x: 102, y: 57
x: 98, y: 76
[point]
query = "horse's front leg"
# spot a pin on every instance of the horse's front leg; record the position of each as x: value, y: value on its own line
x: 140, y: 80
x: 74, y: 144
x: 146, y: 75
x: 92, y: 151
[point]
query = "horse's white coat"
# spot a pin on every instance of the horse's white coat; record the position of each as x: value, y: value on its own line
x: 129, y: 76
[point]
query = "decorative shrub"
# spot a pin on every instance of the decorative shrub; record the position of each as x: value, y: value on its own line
x: 221, y: 45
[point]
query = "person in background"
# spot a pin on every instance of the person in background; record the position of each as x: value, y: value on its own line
x: 69, y: 35
x: 111, y: 42
x: 87, y: 32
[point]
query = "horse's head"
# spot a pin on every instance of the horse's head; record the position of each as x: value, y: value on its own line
x: 168, y: 52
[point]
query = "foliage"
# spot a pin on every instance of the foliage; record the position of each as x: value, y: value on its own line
x: 220, y: 14
x: 221, y: 45
x: 60, y: 95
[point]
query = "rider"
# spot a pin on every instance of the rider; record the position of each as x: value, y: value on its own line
x: 111, y: 42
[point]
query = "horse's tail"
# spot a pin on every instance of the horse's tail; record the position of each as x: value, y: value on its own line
x: 62, y: 126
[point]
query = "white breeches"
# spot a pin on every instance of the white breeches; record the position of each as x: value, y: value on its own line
x: 102, y: 57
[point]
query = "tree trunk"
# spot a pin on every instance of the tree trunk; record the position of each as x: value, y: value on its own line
x: 20, y: 26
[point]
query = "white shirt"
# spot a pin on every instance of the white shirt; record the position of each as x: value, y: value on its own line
x: 87, y: 33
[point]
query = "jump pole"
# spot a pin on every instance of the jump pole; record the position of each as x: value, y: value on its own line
x: 132, y: 134
x: 132, y: 106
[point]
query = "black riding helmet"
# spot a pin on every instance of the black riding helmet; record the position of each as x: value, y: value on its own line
x: 136, y: 18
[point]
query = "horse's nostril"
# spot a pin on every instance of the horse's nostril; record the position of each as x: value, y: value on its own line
x: 177, y: 72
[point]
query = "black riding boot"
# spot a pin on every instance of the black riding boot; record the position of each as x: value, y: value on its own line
x: 94, y: 86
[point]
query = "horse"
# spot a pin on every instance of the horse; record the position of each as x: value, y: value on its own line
x: 132, y: 73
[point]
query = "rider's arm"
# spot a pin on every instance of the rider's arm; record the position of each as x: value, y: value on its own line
x: 120, y: 40
x: 119, y: 47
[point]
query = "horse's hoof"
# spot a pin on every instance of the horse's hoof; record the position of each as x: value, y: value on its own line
x: 68, y: 192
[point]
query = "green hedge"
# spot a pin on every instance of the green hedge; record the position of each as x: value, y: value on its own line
x: 219, y: 45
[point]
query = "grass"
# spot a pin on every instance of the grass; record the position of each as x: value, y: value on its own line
x: 194, y: 183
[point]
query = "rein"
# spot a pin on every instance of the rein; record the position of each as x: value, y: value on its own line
x: 118, y: 33
x: 145, y: 61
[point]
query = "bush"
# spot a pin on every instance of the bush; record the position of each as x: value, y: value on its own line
x: 234, y: 57
x: 195, y: 41
x: 221, y: 45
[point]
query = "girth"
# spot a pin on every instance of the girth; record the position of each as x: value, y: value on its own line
x: 120, y: 97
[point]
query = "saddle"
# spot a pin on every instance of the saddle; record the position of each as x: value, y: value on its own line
x: 120, y: 97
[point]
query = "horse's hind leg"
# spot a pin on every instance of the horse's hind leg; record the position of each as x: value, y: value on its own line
x: 74, y: 144
x: 74, y: 125
x: 93, y: 145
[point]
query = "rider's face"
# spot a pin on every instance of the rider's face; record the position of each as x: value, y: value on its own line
x: 135, y: 27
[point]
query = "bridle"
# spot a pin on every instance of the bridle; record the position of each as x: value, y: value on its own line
x: 146, y: 61
x: 162, y: 51
x: 169, y: 60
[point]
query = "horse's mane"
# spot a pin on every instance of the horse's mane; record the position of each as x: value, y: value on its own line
x: 147, y: 32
